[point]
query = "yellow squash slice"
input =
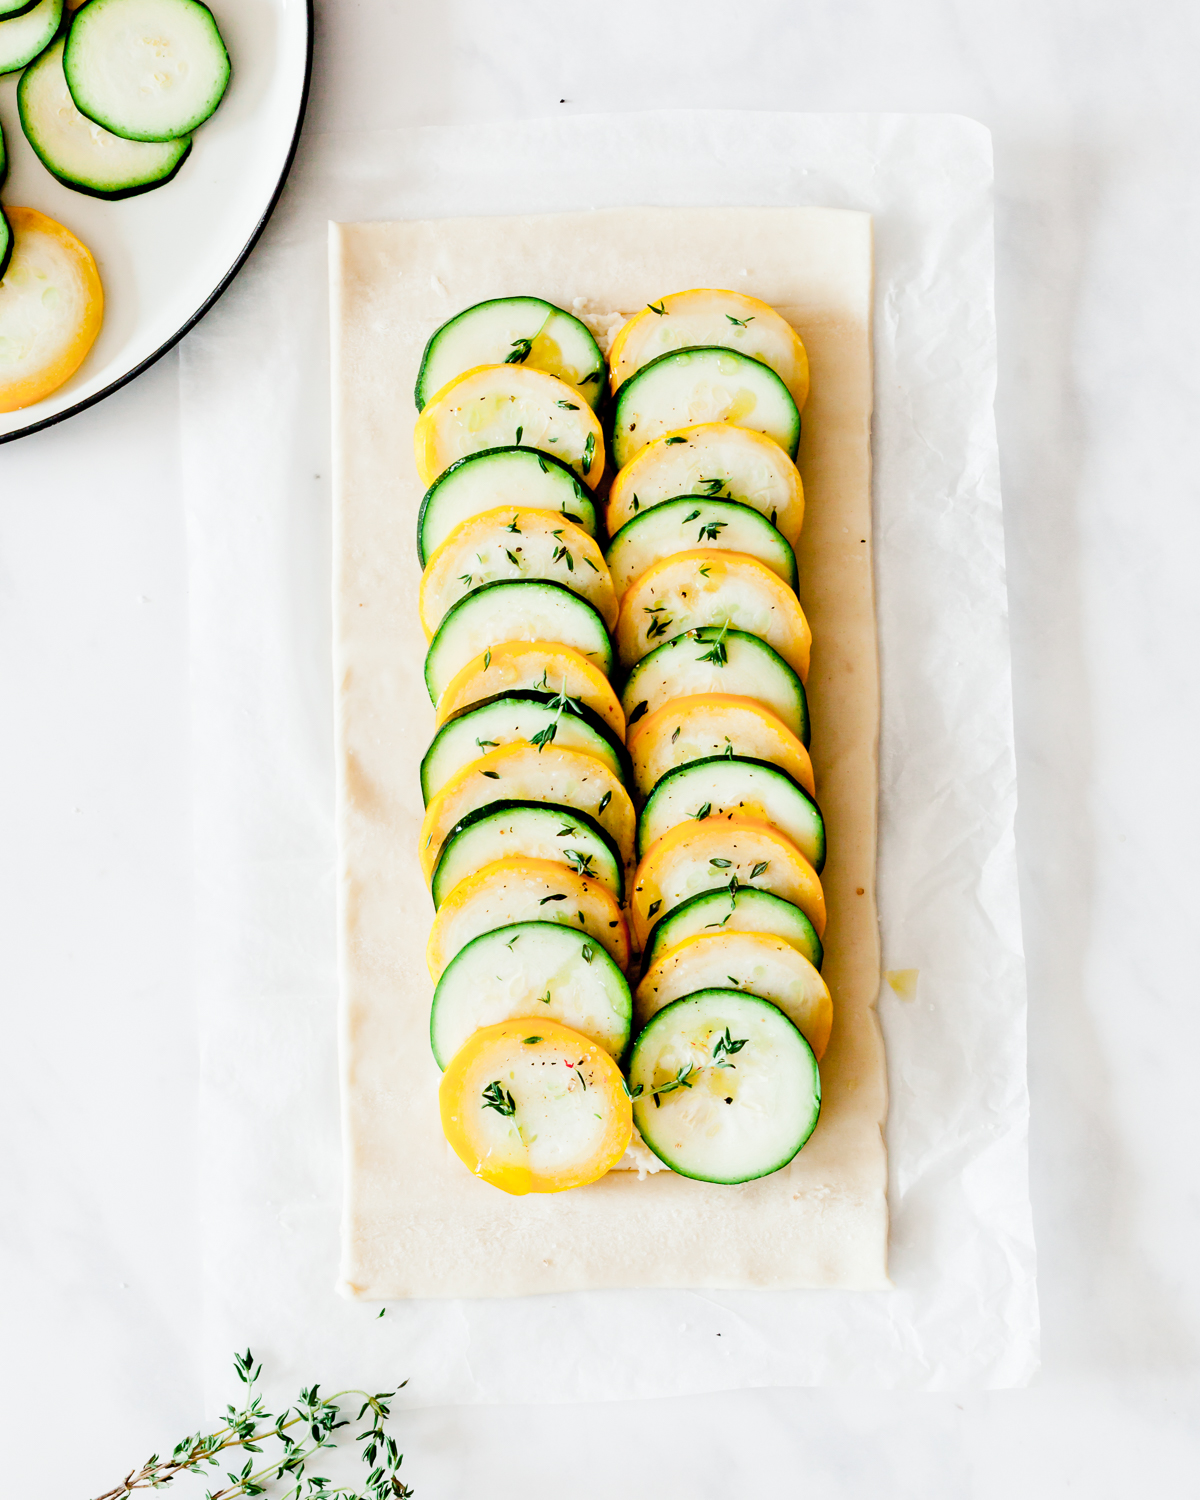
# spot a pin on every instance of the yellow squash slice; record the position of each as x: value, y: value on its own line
x: 715, y: 459
x: 713, y: 724
x: 706, y: 587
x: 51, y: 309
x: 545, y: 666
x: 706, y: 317
x: 695, y: 857
x: 752, y: 961
x: 499, y: 406
x: 530, y: 1106
x: 525, y: 890
x: 514, y: 543
x: 530, y: 773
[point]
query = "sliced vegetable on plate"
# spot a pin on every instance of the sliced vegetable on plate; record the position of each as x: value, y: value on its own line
x: 500, y: 476
x: 522, y: 772
x: 514, y: 610
x: 27, y: 33
x: 537, y: 969
x: 508, y: 829
x: 526, y: 890
x: 11, y: 8
x: 540, y: 666
x: 694, y: 386
x: 515, y: 331
x: 148, y: 70
x: 530, y: 1106
x: 744, y: 909
x: 705, y: 587
x: 51, y: 309
x: 80, y: 153
x: 514, y: 543
x: 694, y: 728
x: 498, y: 406
x: 690, y: 521
x: 716, y: 660
x: 725, y: 1087
x: 715, y: 460
x: 757, y: 963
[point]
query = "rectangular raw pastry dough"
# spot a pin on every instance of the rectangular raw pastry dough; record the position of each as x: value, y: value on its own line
x: 416, y: 1223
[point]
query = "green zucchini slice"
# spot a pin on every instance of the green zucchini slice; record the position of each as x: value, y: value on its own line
x: 80, y: 153
x: 6, y: 242
x: 535, y: 969
x: 732, y: 786
x: 710, y: 660
x: 149, y: 70
x: 514, y: 609
x: 687, y: 522
x: 513, y: 331
x: 743, y: 910
x: 28, y: 34
x: 9, y: 9
x: 522, y: 715
x: 500, y: 476
x: 691, y: 386
x: 725, y: 1087
x: 534, y: 830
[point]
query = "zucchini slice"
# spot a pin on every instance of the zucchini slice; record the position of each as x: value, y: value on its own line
x: 515, y: 543
x: 725, y: 1087
x: 695, y: 857
x: 51, y: 308
x: 500, y: 476
x: 724, y: 787
x: 716, y: 661
x: 28, y: 33
x: 497, y: 406
x: 522, y: 772
x: 688, y: 521
x: 702, y: 385
x: 525, y: 890
x: 527, y: 830
x: 150, y: 70
x: 518, y: 609
x: 9, y: 10
x: 715, y: 460
x: 706, y: 317
x: 542, y: 718
x: 704, y: 587
x: 743, y: 910
x: 713, y: 724
x: 80, y: 153
x: 532, y: 969
x: 540, y: 666
x: 6, y: 247
x: 757, y: 963
x: 535, y: 1108
x: 513, y: 331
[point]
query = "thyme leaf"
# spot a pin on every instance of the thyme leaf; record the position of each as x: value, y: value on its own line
x: 497, y: 1097
x: 521, y: 350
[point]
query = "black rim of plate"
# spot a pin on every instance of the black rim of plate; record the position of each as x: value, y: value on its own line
x: 222, y: 285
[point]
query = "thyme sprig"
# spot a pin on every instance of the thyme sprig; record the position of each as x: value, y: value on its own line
x: 248, y: 1428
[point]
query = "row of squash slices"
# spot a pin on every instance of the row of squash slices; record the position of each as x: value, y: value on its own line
x: 568, y: 829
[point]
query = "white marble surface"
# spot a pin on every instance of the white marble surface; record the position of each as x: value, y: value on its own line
x: 1096, y: 128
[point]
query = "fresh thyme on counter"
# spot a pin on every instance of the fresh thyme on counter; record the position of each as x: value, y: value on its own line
x: 249, y: 1427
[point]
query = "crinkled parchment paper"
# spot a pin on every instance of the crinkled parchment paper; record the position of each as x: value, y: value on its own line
x: 256, y: 457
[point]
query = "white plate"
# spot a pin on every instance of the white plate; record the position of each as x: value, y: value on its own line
x: 166, y: 256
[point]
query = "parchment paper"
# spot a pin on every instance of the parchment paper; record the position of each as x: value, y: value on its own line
x: 256, y: 460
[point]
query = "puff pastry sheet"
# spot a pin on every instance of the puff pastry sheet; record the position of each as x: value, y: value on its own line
x: 416, y: 1223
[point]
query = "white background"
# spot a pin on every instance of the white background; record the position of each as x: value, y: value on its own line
x: 1096, y: 133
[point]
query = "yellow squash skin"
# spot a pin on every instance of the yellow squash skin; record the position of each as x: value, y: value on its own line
x: 709, y: 316
x: 706, y: 587
x: 543, y: 544
x: 681, y: 864
x: 484, y: 407
x: 51, y: 309
x: 530, y: 773
x: 547, y: 666
x: 759, y: 963
x: 709, y: 724
x: 531, y: 1064
x: 753, y: 469
x: 525, y: 890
